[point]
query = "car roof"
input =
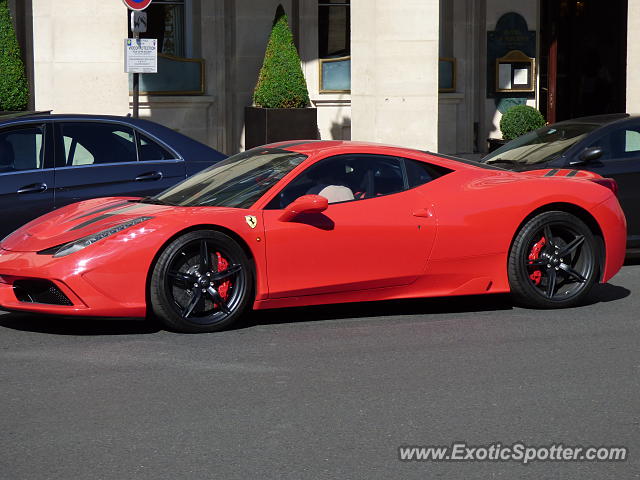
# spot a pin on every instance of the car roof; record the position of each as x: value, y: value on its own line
x: 345, y: 147
x: 43, y: 117
x: 339, y: 147
x: 175, y: 140
x: 598, y: 119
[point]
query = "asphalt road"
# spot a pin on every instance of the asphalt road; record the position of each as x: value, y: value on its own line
x: 323, y: 393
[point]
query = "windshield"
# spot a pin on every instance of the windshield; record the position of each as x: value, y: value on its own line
x: 542, y: 145
x: 238, y: 182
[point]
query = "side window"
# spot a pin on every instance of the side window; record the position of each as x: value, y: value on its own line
x: 387, y: 177
x: 92, y: 143
x: 21, y: 149
x: 150, y: 150
x: 620, y: 144
x: 346, y: 178
x: 419, y: 173
x: 632, y: 141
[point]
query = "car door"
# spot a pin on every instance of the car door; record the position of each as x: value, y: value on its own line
x: 381, y: 237
x: 100, y: 159
x: 620, y: 160
x: 160, y: 166
x: 26, y: 174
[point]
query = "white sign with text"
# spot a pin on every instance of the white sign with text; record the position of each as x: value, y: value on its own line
x: 141, y: 55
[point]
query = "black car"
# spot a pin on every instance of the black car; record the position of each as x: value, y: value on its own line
x: 47, y: 161
x: 606, y: 144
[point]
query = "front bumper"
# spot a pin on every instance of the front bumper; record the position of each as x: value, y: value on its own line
x: 91, y: 289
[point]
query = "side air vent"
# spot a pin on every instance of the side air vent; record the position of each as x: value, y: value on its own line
x: 39, y: 291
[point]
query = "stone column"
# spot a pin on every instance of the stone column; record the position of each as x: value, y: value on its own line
x: 394, y: 72
x: 78, y: 54
x: 633, y: 57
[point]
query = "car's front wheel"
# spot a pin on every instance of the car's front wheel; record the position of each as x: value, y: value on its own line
x: 202, y: 282
x: 553, y: 262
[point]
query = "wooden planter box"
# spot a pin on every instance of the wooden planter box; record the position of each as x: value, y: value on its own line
x: 268, y: 125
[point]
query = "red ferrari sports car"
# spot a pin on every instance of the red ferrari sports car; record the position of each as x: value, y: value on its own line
x: 317, y: 222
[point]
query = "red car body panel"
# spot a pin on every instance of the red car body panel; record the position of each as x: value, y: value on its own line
x: 450, y: 236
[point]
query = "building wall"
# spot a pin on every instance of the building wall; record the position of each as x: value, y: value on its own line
x: 394, y: 71
x: 248, y: 25
x: 333, y: 109
x: 251, y: 29
x: 231, y: 36
x: 198, y: 116
x: 253, y: 21
x: 191, y: 115
x: 458, y: 111
x: 78, y: 67
x: 78, y: 55
x: 490, y: 124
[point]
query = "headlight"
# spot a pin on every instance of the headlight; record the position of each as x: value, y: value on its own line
x: 84, y: 242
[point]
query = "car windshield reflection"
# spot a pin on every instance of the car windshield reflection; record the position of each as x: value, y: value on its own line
x: 237, y: 182
x: 542, y: 145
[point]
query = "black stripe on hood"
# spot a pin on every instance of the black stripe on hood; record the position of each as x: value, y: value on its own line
x: 102, y: 217
x: 103, y: 209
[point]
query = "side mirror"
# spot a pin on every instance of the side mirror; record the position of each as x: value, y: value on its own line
x: 588, y: 155
x: 304, y: 204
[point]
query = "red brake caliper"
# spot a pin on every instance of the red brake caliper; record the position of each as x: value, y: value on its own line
x: 223, y: 288
x: 536, y: 276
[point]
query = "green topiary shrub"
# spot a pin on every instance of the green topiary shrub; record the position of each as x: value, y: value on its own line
x: 281, y: 83
x: 14, y: 90
x: 519, y: 120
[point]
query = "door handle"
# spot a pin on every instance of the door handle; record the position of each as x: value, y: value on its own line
x: 149, y: 176
x: 423, y: 212
x: 33, y: 188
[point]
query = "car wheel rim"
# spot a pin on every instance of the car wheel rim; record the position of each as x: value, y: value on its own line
x: 560, y: 262
x: 205, y: 282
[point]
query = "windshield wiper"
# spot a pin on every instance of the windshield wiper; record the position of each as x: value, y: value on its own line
x: 153, y: 201
x: 508, y: 164
x: 502, y: 160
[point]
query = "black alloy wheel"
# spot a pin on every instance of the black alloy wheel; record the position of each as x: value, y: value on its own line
x: 202, y: 282
x: 553, y: 261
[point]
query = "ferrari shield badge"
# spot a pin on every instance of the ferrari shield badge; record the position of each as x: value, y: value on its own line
x: 251, y: 221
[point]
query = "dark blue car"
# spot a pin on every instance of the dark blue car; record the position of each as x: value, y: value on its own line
x: 47, y: 161
x: 608, y: 145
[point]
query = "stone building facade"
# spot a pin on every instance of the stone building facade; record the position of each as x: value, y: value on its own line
x: 419, y: 73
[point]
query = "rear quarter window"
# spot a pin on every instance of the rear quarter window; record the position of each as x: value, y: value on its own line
x: 419, y: 173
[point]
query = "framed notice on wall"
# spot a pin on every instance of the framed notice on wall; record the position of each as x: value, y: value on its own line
x: 515, y: 72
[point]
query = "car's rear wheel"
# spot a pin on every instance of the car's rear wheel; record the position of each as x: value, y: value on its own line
x: 202, y: 282
x: 553, y: 262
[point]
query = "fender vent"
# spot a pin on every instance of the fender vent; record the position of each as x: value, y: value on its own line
x: 39, y: 291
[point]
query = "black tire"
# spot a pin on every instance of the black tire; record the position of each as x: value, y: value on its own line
x: 553, y: 274
x: 224, y: 278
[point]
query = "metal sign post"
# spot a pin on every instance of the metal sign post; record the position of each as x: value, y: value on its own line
x: 136, y: 82
x: 138, y: 24
x: 140, y: 56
